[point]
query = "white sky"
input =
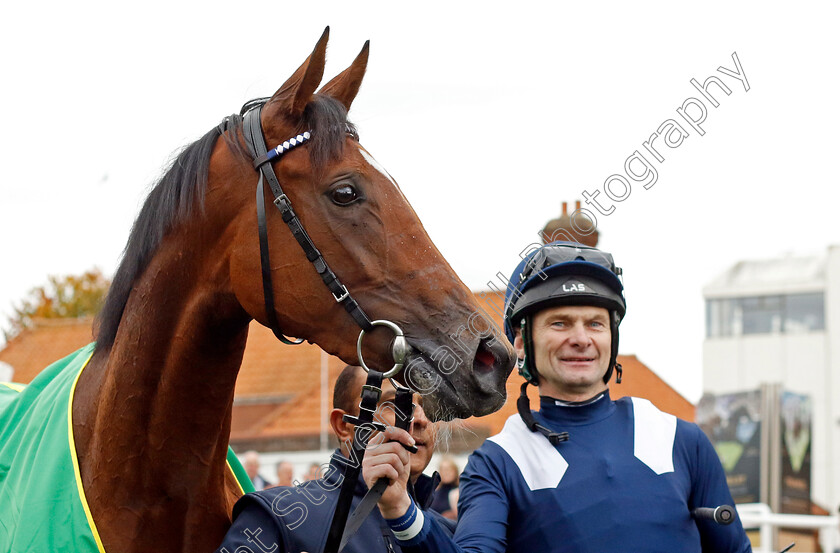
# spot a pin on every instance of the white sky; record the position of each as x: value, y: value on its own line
x: 488, y: 116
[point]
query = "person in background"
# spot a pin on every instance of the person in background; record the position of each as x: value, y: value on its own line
x: 285, y: 473
x: 251, y: 464
x: 449, y: 476
x: 453, y: 504
x: 314, y: 472
x: 296, y: 519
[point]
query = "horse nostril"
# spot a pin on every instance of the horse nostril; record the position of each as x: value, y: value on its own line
x: 484, y: 359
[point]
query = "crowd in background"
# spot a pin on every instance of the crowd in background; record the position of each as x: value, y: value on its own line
x: 445, y: 500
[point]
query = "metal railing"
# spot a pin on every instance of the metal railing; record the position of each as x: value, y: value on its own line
x: 759, y: 515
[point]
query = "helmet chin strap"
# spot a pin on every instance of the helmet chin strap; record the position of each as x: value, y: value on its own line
x: 523, y: 406
x: 614, y: 320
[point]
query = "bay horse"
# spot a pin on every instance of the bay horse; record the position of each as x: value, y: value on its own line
x: 151, y: 412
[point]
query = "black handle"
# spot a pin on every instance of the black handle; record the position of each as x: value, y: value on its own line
x: 723, y: 514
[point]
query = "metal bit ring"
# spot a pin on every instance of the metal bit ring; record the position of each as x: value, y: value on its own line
x: 399, y: 350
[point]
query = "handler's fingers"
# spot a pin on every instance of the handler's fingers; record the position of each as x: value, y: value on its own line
x: 392, y: 433
x: 389, y: 467
x: 388, y: 452
x: 388, y: 460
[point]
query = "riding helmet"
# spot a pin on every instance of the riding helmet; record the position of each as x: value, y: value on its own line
x: 563, y: 273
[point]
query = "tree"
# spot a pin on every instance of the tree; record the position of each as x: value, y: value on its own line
x: 63, y: 297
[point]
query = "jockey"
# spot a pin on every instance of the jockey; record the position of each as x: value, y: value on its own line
x: 297, y: 518
x: 584, y: 473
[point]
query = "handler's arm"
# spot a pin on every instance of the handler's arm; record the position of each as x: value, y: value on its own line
x: 482, y: 508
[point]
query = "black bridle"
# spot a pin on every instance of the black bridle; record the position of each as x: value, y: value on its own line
x: 364, y: 423
x: 263, y: 159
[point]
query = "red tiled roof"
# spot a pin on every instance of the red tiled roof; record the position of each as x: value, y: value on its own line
x: 49, y: 340
x: 640, y: 381
x: 271, y: 368
x: 301, y: 415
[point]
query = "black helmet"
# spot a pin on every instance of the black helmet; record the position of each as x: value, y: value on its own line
x: 563, y: 273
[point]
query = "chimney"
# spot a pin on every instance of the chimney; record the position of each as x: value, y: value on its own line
x: 562, y: 228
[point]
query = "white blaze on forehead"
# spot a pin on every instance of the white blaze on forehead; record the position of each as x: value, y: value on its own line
x: 375, y: 164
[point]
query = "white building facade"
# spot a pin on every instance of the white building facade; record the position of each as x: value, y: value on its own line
x: 778, y: 321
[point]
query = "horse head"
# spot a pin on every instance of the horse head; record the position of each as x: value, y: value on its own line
x: 368, y: 233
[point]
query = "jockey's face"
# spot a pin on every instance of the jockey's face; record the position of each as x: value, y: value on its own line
x: 572, y: 346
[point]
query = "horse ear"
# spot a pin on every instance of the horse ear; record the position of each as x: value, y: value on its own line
x: 296, y: 92
x: 345, y: 85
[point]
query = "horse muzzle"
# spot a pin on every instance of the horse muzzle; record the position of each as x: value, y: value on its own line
x: 455, y: 385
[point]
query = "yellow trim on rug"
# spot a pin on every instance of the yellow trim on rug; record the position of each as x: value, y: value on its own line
x: 13, y: 386
x: 235, y: 479
x: 76, y: 471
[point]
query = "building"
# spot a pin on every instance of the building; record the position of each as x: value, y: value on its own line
x: 565, y: 228
x: 778, y: 321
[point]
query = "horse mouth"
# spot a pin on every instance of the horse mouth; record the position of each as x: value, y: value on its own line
x: 456, y: 389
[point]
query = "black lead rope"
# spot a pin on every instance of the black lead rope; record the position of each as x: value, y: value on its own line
x: 262, y: 163
x: 404, y: 411
x: 364, y: 427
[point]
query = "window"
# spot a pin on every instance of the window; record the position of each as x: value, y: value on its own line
x: 761, y: 315
x: 787, y: 314
x: 804, y: 312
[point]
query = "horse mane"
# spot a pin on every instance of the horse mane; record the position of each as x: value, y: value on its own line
x: 181, y: 189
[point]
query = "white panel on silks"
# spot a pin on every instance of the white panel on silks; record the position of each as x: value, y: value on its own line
x: 653, y: 436
x: 540, y: 463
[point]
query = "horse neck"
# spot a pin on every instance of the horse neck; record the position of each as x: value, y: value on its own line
x: 163, y: 396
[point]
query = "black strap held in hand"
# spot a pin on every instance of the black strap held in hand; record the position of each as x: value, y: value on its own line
x: 404, y: 413
x: 371, y: 392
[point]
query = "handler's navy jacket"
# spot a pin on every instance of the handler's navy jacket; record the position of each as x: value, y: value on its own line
x: 625, y: 482
x: 297, y: 518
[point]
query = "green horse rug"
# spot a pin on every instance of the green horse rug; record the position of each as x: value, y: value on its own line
x: 42, y: 501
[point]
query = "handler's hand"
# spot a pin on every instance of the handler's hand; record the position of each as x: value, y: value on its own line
x: 388, y: 459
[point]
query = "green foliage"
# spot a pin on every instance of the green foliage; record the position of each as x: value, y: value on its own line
x: 63, y: 297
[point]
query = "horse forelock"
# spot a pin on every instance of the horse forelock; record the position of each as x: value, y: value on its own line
x: 327, y: 119
x: 181, y: 189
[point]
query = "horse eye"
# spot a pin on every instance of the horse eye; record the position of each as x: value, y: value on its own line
x: 344, y: 195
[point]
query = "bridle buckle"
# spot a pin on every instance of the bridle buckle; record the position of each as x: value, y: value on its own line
x: 282, y: 202
x: 344, y: 294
